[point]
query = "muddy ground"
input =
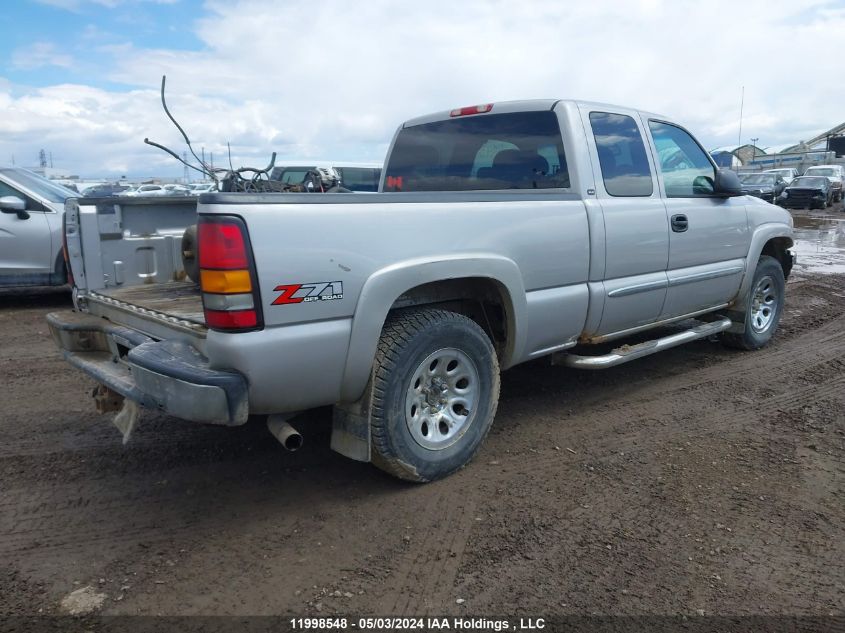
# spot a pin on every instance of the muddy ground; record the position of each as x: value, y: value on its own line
x: 698, y: 480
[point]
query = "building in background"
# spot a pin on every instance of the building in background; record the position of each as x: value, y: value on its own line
x: 825, y: 148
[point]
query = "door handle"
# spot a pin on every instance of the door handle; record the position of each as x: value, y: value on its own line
x: 680, y: 223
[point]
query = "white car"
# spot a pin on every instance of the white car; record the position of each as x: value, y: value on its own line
x: 177, y: 190
x: 787, y: 173
x: 201, y: 187
x: 147, y: 190
x: 835, y: 174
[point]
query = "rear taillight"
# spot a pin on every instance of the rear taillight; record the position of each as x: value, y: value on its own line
x: 230, y: 296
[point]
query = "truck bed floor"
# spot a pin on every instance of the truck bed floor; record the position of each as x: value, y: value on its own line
x: 181, y: 299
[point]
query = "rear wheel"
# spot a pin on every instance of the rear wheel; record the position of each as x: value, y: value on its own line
x: 764, y: 307
x: 435, y: 393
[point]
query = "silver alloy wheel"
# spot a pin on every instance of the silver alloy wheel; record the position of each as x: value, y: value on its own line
x: 441, y: 399
x: 763, y: 304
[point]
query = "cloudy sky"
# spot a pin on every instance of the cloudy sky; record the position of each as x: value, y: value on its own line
x: 331, y: 79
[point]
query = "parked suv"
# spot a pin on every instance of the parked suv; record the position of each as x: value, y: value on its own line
x: 31, y: 210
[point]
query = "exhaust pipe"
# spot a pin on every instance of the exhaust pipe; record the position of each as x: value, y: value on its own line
x: 288, y: 436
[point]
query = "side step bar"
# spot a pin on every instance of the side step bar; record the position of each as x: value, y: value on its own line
x: 630, y: 352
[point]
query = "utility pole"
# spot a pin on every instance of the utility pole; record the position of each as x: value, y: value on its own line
x: 185, y: 158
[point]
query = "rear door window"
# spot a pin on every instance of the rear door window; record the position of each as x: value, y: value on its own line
x: 518, y: 150
x: 622, y: 156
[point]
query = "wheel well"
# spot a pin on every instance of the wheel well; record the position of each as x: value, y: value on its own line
x: 777, y: 248
x: 482, y: 299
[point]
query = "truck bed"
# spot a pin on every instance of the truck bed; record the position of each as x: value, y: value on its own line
x: 174, y: 302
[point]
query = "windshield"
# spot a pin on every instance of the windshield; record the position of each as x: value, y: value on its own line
x: 38, y: 184
x: 759, y: 179
x: 813, y: 183
x: 780, y: 172
x: 359, y: 178
x: 518, y: 150
x: 820, y: 171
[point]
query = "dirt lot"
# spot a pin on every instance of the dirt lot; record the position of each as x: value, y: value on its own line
x: 699, y: 479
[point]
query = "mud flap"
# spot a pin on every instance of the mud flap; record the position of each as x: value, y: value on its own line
x: 351, y: 428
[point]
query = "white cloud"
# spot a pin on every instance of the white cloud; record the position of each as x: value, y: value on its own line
x: 39, y: 54
x: 334, y: 79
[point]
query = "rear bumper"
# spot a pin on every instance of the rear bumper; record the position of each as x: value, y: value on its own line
x: 170, y: 376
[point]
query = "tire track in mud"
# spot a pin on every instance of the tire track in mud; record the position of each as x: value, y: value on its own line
x: 666, y: 408
x: 423, y: 578
x: 826, y: 343
x: 75, y: 499
x: 425, y: 573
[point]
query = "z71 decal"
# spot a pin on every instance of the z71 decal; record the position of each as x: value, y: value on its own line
x: 303, y: 293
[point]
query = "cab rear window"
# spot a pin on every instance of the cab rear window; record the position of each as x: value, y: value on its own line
x: 519, y: 150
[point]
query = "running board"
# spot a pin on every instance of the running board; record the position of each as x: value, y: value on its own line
x: 630, y: 352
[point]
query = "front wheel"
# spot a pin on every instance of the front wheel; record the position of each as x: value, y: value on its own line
x: 764, y: 307
x: 434, y: 396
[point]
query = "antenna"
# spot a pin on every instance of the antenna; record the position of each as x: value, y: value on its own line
x: 233, y: 180
x: 741, y: 104
x: 178, y: 127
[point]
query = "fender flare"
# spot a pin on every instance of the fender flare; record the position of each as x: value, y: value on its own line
x: 384, y: 286
x: 762, y: 234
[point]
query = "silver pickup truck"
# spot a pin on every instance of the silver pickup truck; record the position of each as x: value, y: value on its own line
x: 502, y: 233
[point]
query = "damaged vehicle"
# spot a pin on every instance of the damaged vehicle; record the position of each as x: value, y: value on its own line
x: 808, y: 192
x: 502, y: 233
x: 835, y: 174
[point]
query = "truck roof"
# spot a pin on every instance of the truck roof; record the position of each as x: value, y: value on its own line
x: 527, y: 105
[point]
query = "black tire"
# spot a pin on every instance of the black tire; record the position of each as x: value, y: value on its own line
x: 755, y: 335
x: 409, y: 339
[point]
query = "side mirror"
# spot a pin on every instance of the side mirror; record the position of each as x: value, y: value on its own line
x: 727, y: 184
x: 13, y: 204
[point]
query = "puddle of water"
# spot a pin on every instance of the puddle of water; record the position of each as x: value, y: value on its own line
x: 820, y: 243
